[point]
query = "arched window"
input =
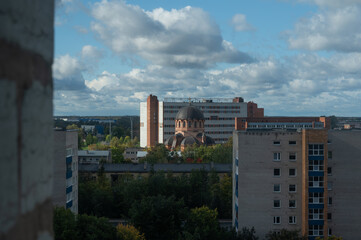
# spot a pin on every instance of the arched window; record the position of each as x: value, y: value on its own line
x: 190, y: 124
x: 184, y: 123
x: 195, y: 124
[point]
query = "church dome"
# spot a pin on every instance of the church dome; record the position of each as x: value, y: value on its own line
x: 189, y: 113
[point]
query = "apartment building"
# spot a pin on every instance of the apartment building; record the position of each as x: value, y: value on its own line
x: 94, y: 156
x: 65, y: 183
x: 157, y: 118
x: 297, y: 179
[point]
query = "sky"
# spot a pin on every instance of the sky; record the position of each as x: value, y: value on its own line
x: 291, y: 57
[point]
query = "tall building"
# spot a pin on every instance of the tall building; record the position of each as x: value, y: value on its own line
x: 297, y: 178
x: 157, y: 118
x: 65, y: 183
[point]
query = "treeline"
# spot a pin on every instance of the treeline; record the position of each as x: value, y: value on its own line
x: 117, y: 199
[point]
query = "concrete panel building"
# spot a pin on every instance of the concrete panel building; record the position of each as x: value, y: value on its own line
x: 157, y: 118
x: 94, y: 157
x: 305, y: 179
x: 65, y: 183
x: 26, y: 91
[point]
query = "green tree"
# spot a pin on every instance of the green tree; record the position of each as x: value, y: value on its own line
x: 285, y: 234
x: 202, y: 223
x: 93, y: 228
x: 95, y: 139
x: 108, y: 138
x: 248, y: 234
x: 129, y: 232
x: 89, y: 139
x: 64, y: 224
x: 158, y: 217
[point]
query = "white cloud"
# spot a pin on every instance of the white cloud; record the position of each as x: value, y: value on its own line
x: 240, y: 23
x: 67, y: 73
x: 333, y: 3
x: 335, y: 29
x: 184, y: 38
x: 91, y: 52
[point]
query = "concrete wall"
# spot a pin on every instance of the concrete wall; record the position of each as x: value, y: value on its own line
x: 26, y: 46
x: 255, y: 180
x: 59, y: 183
x: 346, y: 183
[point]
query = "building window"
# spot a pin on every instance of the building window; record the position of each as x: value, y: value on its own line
x: 276, y: 143
x: 277, y: 156
x: 292, y: 188
x: 315, y: 181
x: 329, y: 171
x: 315, y: 230
x: 292, y: 156
x: 314, y: 197
x: 277, y: 187
x: 195, y: 124
x: 329, y: 232
x: 315, y: 165
x: 292, y: 172
x: 292, y: 219
x: 329, y: 201
x: 329, y: 216
x: 292, y: 142
x: 329, y: 186
x: 315, y: 214
x: 315, y: 149
x: 292, y: 203
x: 276, y: 220
x: 329, y: 154
x: 276, y: 172
x: 277, y: 203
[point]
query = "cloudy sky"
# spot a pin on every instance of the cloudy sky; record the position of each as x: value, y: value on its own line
x: 292, y: 57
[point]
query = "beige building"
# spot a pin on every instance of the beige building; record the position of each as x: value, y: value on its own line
x: 65, y: 184
x: 306, y: 180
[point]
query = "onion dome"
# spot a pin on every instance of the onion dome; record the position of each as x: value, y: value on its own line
x: 189, y: 113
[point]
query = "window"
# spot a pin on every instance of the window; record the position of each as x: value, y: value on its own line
x: 292, y: 188
x: 315, y: 181
x: 292, y: 156
x: 277, y: 203
x: 277, y: 187
x: 292, y: 219
x: 315, y: 165
x: 292, y: 142
x: 329, y: 186
x: 276, y: 156
x: 276, y: 142
x: 329, y: 232
x: 276, y: 172
x: 329, y: 201
x: 315, y: 197
x: 329, y: 154
x: 329, y: 216
x: 329, y: 171
x: 315, y: 149
x: 315, y: 214
x: 292, y: 203
x: 276, y: 220
x: 315, y: 230
x: 292, y: 172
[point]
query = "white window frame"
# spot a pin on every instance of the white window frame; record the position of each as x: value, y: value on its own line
x: 317, y: 198
x: 289, y: 186
x: 292, y: 220
x: 289, y: 205
x: 279, y: 172
x: 289, y: 173
x: 276, y: 202
x: 279, y: 186
x: 277, y: 220
x: 276, y: 156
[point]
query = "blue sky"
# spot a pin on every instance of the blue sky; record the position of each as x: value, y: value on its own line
x: 292, y: 57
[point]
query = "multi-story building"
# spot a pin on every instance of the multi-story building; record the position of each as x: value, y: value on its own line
x: 157, y: 118
x: 298, y: 178
x: 65, y: 183
x: 94, y: 157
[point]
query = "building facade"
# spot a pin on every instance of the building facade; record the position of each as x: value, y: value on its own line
x: 157, y: 118
x: 65, y: 184
x: 305, y: 179
x: 94, y: 157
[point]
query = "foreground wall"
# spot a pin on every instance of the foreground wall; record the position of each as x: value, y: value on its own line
x: 26, y: 47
